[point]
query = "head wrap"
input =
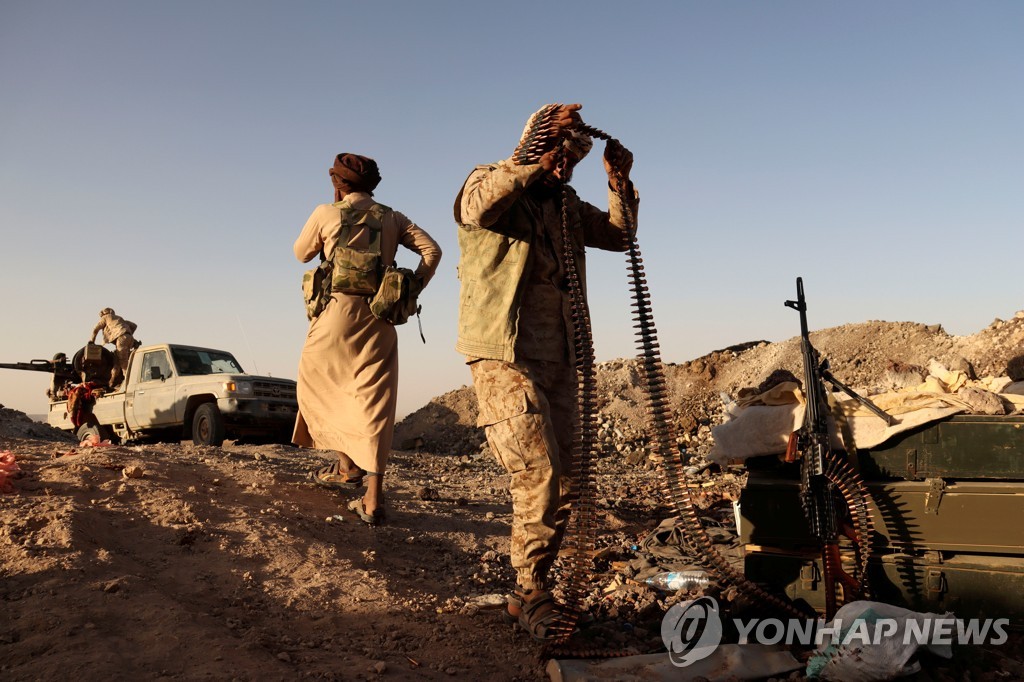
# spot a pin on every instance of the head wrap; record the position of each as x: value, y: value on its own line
x: 354, y: 173
x: 578, y: 144
x: 106, y: 311
x: 541, y: 135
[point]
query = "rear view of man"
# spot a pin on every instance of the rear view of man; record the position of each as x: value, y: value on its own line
x: 120, y: 332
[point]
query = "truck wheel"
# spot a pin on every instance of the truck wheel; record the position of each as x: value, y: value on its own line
x: 91, y: 428
x: 208, y: 425
x: 86, y: 430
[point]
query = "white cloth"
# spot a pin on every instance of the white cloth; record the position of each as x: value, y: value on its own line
x: 761, y: 424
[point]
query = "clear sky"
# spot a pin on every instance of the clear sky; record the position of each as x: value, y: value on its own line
x: 161, y: 158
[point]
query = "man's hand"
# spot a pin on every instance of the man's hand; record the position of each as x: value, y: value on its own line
x: 618, y: 162
x: 567, y: 116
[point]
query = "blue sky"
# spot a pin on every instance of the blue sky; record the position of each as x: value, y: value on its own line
x: 161, y: 158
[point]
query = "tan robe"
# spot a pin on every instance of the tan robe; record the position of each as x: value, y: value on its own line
x: 348, y: 371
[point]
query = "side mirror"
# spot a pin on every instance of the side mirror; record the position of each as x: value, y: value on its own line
x: 155, y: 373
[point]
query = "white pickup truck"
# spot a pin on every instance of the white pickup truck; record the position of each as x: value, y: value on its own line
x: 173, y: 392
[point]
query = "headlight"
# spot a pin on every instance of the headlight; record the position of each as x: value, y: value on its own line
x: 239, y: 387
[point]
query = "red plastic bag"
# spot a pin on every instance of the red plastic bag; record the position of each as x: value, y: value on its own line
x: 8, y: 467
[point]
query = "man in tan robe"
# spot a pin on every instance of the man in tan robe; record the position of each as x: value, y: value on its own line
x: 120, y: 332
x: 348, y: 371
x: 515, y: 326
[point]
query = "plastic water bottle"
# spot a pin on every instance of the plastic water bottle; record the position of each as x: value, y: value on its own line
x: 678, y: 580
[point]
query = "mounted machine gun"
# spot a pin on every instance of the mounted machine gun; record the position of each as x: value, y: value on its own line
x: 60, y: 367
x: 91, y: 363
x: 827, y: 478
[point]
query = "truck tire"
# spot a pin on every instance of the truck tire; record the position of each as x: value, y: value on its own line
x: 91, y: 428
x: 208, y: 425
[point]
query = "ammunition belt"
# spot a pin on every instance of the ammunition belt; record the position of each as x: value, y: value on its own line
x: 855, y: 493
x: 580, y: 539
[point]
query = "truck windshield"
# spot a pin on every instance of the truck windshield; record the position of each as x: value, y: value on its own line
x: 193, y: 362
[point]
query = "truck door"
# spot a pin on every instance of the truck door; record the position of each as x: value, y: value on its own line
x: 153, y: 403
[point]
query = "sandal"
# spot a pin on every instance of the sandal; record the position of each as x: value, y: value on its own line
x: 515, y: 609
x: 538, y: 612
x: 331, y: 476
x: 375, y: 519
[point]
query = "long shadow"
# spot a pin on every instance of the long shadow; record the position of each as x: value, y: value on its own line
x: 142, y: 578
x: 903, y: 543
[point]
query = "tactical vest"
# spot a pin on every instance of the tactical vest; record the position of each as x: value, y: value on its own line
x: 492, y: 264
x: 357, y: 271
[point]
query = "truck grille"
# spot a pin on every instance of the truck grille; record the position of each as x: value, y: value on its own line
x: 268, y: 389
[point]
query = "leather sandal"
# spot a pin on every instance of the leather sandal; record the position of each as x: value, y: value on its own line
x: 538, y: 612
x: 375, y: 519
x: 331, y: 476
x: 513, y: 609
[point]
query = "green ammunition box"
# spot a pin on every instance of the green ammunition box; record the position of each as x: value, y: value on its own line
x: 971, y: 586
x: 948, y: 511
x: 961, y: 447
x: 983, y: 517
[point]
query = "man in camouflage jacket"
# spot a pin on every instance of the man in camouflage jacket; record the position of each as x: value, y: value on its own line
x: 120, y: 332
x: 515, y: 326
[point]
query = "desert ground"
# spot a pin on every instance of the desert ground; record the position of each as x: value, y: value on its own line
x: 168, y: 560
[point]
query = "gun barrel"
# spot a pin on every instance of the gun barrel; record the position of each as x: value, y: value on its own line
x: 813, y: 390
x: 36, y: 366
x: 62, y: 371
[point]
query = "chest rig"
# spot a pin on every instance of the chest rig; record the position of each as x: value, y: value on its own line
x: 358, y: 271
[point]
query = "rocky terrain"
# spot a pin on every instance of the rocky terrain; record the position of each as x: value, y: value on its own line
x: 871, y: 357
x: 184, y: 562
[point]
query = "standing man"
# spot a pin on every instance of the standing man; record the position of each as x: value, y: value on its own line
x: 348, y: 371
x: 515, y: 326
x: 118, y: 331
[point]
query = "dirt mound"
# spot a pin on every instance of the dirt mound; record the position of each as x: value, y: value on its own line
x: 447, y: 424
x: 15, y: 424
x: 868, y: 356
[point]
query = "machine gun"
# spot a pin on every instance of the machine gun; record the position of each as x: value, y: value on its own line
x: 90, y: 364
x: 60, y: 367
x: 827, y: 479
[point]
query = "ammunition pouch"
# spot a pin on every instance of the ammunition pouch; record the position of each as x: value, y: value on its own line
x: 357, y: 271
x: 395, y: 299
x: 316, y: 289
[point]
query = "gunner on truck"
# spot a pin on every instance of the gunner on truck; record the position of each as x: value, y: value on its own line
x: 120, y: 332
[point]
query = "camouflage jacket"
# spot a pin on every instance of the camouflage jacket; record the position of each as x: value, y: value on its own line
x: 113, y: 327
x: 497, y: 222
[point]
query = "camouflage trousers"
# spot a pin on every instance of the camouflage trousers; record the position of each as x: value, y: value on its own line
x: 123, y: 346
x: 528, y: 409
